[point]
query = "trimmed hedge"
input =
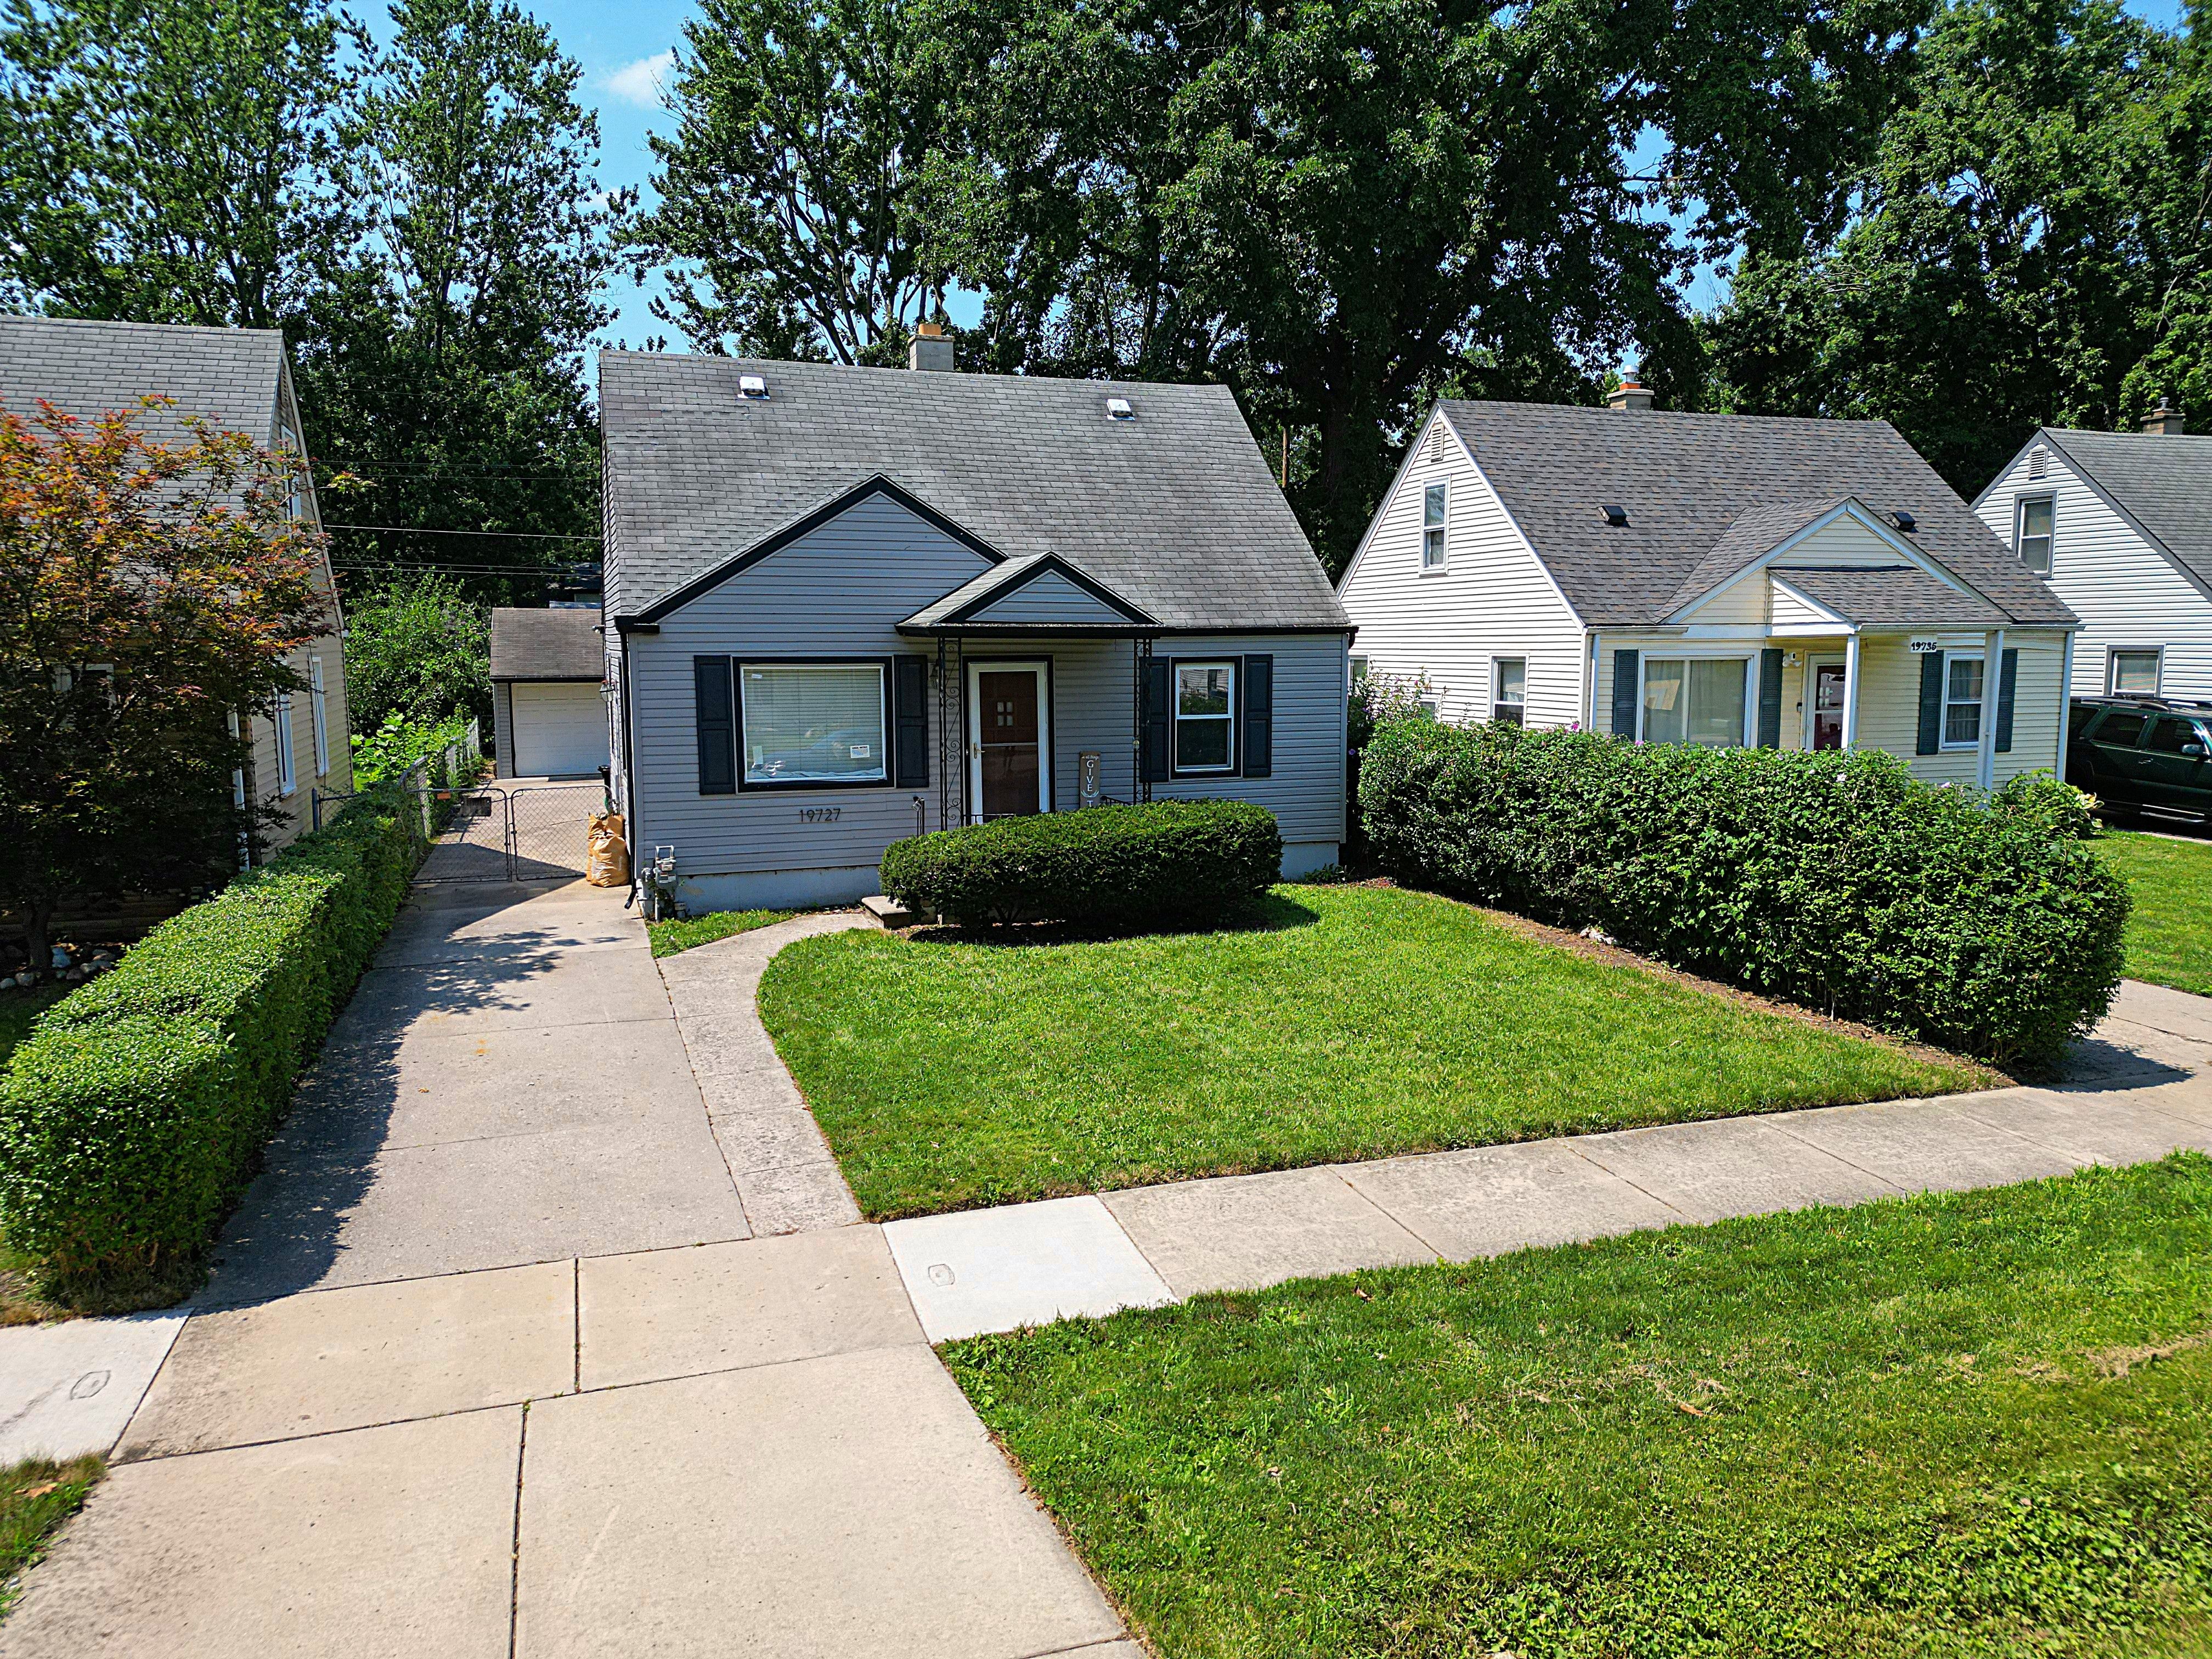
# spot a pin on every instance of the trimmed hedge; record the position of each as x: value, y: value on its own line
x: 1986, y: 924
x: 132, y: 1115
x: 1167, y: 861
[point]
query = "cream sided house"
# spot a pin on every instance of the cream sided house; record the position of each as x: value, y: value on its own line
x: 238, y: 381
x: 2119, y: 523
x: 1709, y: 579
x: 846, y: 605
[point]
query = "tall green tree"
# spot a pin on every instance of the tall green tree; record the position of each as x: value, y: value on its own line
x: 2031, y: 249
x: 162, y: 161
x: 444, y: 367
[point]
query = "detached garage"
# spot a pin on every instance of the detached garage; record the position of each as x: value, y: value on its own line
x: 547, y: 667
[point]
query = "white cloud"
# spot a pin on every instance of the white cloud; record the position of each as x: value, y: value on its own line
x: 641, y: 82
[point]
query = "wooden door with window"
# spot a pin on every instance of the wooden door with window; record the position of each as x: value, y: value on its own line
x: 1828, y: 706
x: 1009, y: 711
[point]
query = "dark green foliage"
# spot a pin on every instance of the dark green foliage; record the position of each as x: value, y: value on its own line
x: 1168, y: 862
x: 419, y: 649
x: 132, y: 1115
x: 1837, y: 881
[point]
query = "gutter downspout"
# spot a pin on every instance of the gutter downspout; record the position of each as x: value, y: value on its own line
x: 629, y: 772
x: 1985, y: 755
x: 1589, y: 685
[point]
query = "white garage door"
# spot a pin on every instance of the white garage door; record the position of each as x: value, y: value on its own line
x: 560, y: 729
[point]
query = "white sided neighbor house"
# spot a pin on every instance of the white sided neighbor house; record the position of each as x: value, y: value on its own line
x: 1709, y: 579
x: 2120, y: 524
x: 846, y: 605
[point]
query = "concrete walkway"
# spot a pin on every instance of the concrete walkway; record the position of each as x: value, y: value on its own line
x: 503, y: 1369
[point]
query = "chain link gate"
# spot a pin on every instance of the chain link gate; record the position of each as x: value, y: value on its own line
x: 487, y: 833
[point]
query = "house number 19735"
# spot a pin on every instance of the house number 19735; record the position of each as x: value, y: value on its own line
x: 819, y: 814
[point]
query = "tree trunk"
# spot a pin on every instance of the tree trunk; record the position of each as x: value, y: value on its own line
x: 37, y: 931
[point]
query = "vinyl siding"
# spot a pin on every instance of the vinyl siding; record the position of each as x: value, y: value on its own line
x: 1788, y: 610
x: 502, y: 722
x: 1889, y: 694
x: 294, y: 814
x: 840, y: 592
x: 1492, y: 599
x: 2128, y: 595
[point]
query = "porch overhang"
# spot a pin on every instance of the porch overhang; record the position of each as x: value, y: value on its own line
x: 1046, y: 596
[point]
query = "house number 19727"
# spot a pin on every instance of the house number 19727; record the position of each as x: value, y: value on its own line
x: 819, y: 814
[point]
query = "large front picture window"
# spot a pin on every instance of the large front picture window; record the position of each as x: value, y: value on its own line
x: 1696, y: 700
x: 1205, y: 729
x: 812, y: 722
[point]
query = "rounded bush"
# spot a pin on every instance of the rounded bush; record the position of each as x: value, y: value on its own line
x: 1163, y: 862
x: 1985, y: 923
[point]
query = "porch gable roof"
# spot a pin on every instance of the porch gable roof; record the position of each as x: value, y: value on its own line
x: 1045, y: 594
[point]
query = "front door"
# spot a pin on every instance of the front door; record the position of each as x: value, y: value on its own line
x: 1828, y: 705
x: 1009, y: 756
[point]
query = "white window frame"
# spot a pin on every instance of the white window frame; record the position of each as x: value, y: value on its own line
x: 1979, y: 704
x: 318, y: 712
x: 740, y: 666
x: 1436, y: 536
x: 286, y: 772
x: 2020, y: 503
x: 2112, y: 655
x: 1498, y: 700
x: 1745, y: 739
x: 1228, y: 768
x: 1358, y: 668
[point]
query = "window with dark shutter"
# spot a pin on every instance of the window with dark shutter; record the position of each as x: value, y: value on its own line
x: 1627, y: 691
x: 1259, y: 723
x: 2008, y: 677
x: 1770, y: 698
x: 910, y: 722
x: 1931, y: 703
x: 1159, y: 717
x: 716, y: 718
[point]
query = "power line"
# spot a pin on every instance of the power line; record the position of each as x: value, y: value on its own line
x: 508, y: 535
x: 546, y: 570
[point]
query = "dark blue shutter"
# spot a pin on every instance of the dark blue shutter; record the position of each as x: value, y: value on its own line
x: 2008, y: 677
x: 910, y: 722
x: 717, y: 726
x: 1931, y: 703
x: 1628, y: 691
x: 1159, y: 717
x: 1770, y: 699
x: 1258, y: 681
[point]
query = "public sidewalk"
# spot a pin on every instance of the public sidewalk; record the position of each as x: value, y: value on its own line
x: 744, y: 1445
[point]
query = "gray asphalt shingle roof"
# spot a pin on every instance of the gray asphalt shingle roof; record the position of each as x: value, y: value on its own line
x: 537, y: 643
x: 1176, y: 510
x: 2164, y: 482
x: 229, y: 376
x: 1897, y: 596
x: 1685, y: 480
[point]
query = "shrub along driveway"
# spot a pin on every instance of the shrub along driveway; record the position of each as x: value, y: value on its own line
x: 1350, y: 1023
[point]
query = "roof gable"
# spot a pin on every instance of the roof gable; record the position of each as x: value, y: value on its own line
x: 1174, y: 510
x: 1686, y: 480
x: 1041, y: 595
x: 1762, y: 536
x: 2161, y: 482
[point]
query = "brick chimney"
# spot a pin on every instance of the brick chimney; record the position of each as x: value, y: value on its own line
x: 1631, y: 396
x: 2165, y: 421
x: 930, y: 349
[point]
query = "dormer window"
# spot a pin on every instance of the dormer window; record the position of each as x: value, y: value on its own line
x: 1118, y: 409
x: 752, y: 388
x: 1435, y: 504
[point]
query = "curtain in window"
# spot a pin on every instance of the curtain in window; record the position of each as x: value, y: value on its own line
x: 812, y: 723
x: 1694, y: 700
x: 1962, y: 713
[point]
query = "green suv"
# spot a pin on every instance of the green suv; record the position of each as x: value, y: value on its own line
x: 2134, y: 752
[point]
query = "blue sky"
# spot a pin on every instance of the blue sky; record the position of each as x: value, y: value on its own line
x: 622, y: 48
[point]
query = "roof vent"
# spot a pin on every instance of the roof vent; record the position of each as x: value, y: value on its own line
x: 752, y: 388
x: 1117, y: 409
x: 2039, y: 461
x: 1437, y: 444
x: 1615, y: 514
x: 1904, y: 520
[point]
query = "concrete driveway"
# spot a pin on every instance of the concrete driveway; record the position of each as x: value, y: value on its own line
x: 507, y: 1086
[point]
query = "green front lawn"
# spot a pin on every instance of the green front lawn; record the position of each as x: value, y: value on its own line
x: 1345, y: 1023
x: 1950, y: 1425
x: 669, y: 937
x: 2170, y: 932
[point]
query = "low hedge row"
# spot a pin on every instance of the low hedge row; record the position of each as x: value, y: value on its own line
x: 132, y: 1115
x: 1139, y: 866
x: 1983, y: 923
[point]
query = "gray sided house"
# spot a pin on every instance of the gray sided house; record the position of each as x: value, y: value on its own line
x: 237, y: 379
x: 846, y: 606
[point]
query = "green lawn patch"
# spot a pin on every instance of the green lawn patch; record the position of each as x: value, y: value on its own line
x: 669, y: 937
x: 1948, y: 1425
x: 2170, y: 929
x: 35, y: 1497
x: 1345, y: 1023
